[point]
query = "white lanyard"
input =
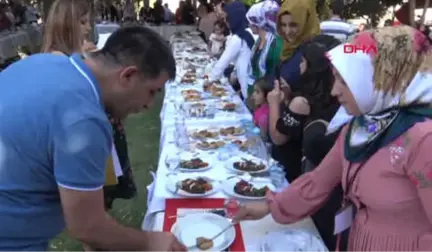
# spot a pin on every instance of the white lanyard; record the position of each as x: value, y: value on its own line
x: 93, y: 86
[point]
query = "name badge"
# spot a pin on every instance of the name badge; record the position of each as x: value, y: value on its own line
x: 343, y: 219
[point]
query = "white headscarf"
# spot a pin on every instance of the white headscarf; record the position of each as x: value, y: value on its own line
x: 397, y: 76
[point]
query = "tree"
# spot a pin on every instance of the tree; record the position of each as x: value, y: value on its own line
x: 371, y: 10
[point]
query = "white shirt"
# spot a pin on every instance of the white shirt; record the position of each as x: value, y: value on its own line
x: 237, y: 51
x: 216, y: 44
x: 337, y: 28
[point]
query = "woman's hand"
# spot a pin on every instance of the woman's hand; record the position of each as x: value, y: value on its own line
x: 275, y: 96
x: 252, y: 211
x: 89, y: 46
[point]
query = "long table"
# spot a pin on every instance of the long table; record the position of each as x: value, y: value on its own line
x: 252, y: 231
x: 164, y: 30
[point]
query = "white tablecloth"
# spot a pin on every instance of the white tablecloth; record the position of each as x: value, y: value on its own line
x: 252, y: 230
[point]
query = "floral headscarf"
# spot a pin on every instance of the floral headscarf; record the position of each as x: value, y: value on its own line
x: 392, y: 87
x: 263, y: 15
x: 303, y: 13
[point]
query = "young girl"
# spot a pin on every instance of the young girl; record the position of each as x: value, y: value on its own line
x: 261, y: 109
x: 217, y: 38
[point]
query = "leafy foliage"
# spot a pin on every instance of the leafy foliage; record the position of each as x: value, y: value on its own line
x: 372, y: 10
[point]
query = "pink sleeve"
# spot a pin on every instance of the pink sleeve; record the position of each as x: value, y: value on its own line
x: 263, y: 122
x: 419, y: 170
x: 310, y: 191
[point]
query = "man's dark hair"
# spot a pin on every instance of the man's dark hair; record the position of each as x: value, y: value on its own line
x: 337, y: 7
x: 140, y: 46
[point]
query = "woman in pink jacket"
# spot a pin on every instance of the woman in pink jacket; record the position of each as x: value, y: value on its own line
x: 382, y: 156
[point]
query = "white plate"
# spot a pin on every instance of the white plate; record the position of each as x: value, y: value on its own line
x: 207, y: 225
x: 228, y: 187
x: 229, y: 164
x: 189, y: 157
x: 173, y: 182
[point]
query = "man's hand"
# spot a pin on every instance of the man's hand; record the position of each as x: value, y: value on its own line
x: 164, y: 241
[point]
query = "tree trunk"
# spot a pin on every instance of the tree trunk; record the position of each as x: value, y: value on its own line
x: 46, y: 6
x: 425, y: 7
x: 412, y: 7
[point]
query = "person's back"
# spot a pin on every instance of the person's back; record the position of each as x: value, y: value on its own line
x: 40, y: 96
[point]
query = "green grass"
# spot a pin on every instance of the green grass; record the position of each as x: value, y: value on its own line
x: 143, y: 132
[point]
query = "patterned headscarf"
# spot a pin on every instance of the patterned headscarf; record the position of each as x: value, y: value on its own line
x: 263, y: 15
x: 303, y: 13
x: 392, y: 88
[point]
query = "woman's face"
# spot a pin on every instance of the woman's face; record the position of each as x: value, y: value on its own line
x: 258, y: 96
x: 254, y: 28
x: 85, y: 27
x: 288, y: 28
x: 344, y: 95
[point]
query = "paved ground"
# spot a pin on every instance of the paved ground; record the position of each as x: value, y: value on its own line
x: 143, y: 139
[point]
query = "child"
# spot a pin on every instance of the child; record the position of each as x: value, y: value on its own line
x: 217, y: 38
x: 259, y: 98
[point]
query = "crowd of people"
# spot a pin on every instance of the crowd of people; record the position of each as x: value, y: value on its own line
x: 351, y: 130
x: 13, y: 14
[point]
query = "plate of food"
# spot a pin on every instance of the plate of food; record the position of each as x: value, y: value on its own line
x: 191, y: 187
x: 232, y: 131
x: 227, y: 106
x: 189, y: 77
x: 198, y: 109
x: 247, y: 164
x: 193, y: 164
x: 195, y: 231
x: 210, y: 145
x: 192, y: 97
x: 255, y: 189
x: 208, y: 86
x: 187, y: 92
x: 203, y: 134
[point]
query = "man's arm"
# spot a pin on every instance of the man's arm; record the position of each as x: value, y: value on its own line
x: 81, y: 151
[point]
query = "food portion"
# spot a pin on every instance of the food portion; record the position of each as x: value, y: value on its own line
x: 195, y: 163
x: 247, y: 189
x: 189, y: 77
x: 196, y: 186
x: 196, y: 61
x: 204, y: 243
x: 210, y: 145
x: 192, y: 97
x: 204, y: 134
x: 208, y: 86
x: 249, y: 166
x: 231, y: 131
x: 243, y: 145
x: 229, y: 106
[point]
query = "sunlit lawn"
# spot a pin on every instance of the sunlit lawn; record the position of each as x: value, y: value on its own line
x: 143, y: 138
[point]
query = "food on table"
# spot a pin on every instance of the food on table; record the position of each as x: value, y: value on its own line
x: 231, y: 131
x: 196, y: 186
x: 210, y: 145
x: 197, y: 49
x: 204, y: 243
x: 209, y: 86
x: 205, y: 134
x: 218, y: 91
x: 193, y: 97
x: 196, y: 60
x: 195, y: 163
x: 249, y: 166
x: 189, y: 77
x: 243, y: 145
x: 247, y: 189
x: 190, y: 92
x: 229, y: 106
